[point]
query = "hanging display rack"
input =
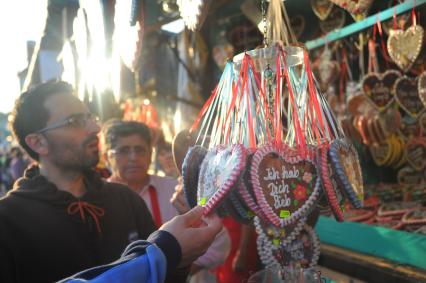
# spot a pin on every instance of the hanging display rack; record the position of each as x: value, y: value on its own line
x: 366, y: 23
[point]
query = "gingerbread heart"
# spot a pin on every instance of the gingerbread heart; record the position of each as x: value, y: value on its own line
x: 303, y: 250
x: 417, y: 216
x: 298, y: 24
x: 381, y: 152
x: 379, y: 88
x: 359, y: 215
x: 281, y: 234
x: 218, y: 173
x: 180, y: 146
x: 286, y: 186
x: 354, y: 6
x: 422, y: 123
x: 409, y: 127
x: 409, y: 176
x: 404, y: 46
x: 190, y: 172
x: 245, y: 189
x: 390, y: 121
x: 345, y: 162
x: 322, y: 8
x: 421, y: 87
x: 334, y: 21
x: 331, y: 190
x: 407, y: 95
x: 416, y: 153
x: 237, y: 208
x: 396, y: 208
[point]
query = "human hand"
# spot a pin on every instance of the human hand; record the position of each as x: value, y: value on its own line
x: 194, y: 238
x: 178, y: 199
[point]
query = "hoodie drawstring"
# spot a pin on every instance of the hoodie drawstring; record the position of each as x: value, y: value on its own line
x: 82, y: 206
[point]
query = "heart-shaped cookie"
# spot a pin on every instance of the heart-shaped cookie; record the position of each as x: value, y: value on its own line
x: 345, y: 162
x: 415, y: 217
x: 421, y: 87
x: 237, y: 208
x: 390, y: 121
x: 409, y: 176
x: 379, y: 88
x: 286, y: 233
x: 303, y: 250
x: 416, y: 153
x: 407, y: 95
x: 332, y: 193
x: 409, y: 127
x: 381, y: 152
x: 245, y: 189
x: 190, y: 172
x: 214, y: 181
x: 322, y: 8
x: 359, y: 215
x: 298, y: 24
x: 397, y: 208
x: 180, y: 146
x: 286, y: 186
x: 355, y: 7
x: 405, y: 46
x: 334, y: 21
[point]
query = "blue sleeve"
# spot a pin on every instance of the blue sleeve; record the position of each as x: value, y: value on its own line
x: 141, y: 262
x: 147, y: 268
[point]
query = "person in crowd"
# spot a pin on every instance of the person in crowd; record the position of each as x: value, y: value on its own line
x: 17, y: 163
x: 165, y: 160
x: 61, y: 217
x: 127, y: 148
x: 177, y: 241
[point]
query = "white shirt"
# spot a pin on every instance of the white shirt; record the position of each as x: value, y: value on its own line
x: 165, y: 188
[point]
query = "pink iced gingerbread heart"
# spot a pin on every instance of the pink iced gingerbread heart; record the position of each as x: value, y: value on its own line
x: 286, y: 186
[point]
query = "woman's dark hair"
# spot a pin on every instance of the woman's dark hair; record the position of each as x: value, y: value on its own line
x: 116, y: 128
x: 29, y: 114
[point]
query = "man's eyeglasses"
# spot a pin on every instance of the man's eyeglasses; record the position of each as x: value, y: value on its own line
x: 126, y: 150
x: 74, y: 121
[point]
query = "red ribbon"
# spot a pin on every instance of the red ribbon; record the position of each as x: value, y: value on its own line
x: 82, y: 207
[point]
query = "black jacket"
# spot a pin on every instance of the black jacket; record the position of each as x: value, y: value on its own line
x: 47, y: 234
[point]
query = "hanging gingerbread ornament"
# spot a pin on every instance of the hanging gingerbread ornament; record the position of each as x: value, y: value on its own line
x: 416, y: 152
x: 407, y: 95
x: 334, y: 21
x: 286, y: 186
x: 378, y: 87
x: 322, y: 8
x: 404, y: 46
x: 190, y: 173
x: 214, y: 183
x: 357, y: 8
x: 421, y: 86
x: 345, y: 162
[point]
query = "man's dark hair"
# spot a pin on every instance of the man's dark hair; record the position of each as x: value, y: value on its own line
x: 115, y: 129
x: 29, y: 114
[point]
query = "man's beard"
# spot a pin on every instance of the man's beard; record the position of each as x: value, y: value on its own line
x: 70, y: 156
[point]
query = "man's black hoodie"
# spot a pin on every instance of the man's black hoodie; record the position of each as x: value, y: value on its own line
x: 47, y: 234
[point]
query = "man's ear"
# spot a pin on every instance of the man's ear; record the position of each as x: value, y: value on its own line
x: 38, y: 143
